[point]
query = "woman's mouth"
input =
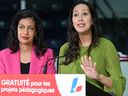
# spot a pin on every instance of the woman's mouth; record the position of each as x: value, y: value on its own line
x: 25, y: 38
x: 81, y: 25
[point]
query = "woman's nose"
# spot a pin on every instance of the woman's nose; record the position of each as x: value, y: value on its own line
x: 80, y: 17
x: 26, y: 31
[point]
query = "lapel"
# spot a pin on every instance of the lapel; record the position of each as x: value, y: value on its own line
x: 14, y: 62
x: 34, y: 62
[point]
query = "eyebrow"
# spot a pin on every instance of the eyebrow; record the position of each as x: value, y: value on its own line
x: 82, y: 9
x: 24, y: 25
x: 20, y: 24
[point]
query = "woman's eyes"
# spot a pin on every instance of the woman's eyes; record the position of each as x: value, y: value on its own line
x: 21, y: 27
x: 29, y: 28
x: 85, y: 13
x: 76, y: 14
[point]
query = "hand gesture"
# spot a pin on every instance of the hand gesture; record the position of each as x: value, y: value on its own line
x: 88, y: 67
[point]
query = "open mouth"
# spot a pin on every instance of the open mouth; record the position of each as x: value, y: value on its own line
x: 81, y: 25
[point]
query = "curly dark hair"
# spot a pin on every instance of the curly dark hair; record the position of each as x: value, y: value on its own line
x: 38, y: 42
x: 72, y: 53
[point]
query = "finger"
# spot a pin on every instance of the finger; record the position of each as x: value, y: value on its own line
x: 82, y: 60
x: 86, y: 60
x: 90, y: 62
x: 95, y: 65
x: 83, y: 68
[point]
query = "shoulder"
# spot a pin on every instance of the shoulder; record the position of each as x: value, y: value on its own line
x: 5, y: 51
x: 106, y: 42
x: 63, y: 49
x: 64, y: 46
x: 49, y: 51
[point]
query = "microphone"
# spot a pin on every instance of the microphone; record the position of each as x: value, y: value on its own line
x: 46, y: 65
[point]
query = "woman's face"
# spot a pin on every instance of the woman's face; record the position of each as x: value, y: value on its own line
x: 81, y: 18
x: 26, y: 31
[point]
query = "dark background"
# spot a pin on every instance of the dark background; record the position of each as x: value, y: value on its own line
x: 54, y: 15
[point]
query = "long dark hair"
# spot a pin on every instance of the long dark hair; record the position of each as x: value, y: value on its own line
x: 72, y: 53
x: 13, y: 42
